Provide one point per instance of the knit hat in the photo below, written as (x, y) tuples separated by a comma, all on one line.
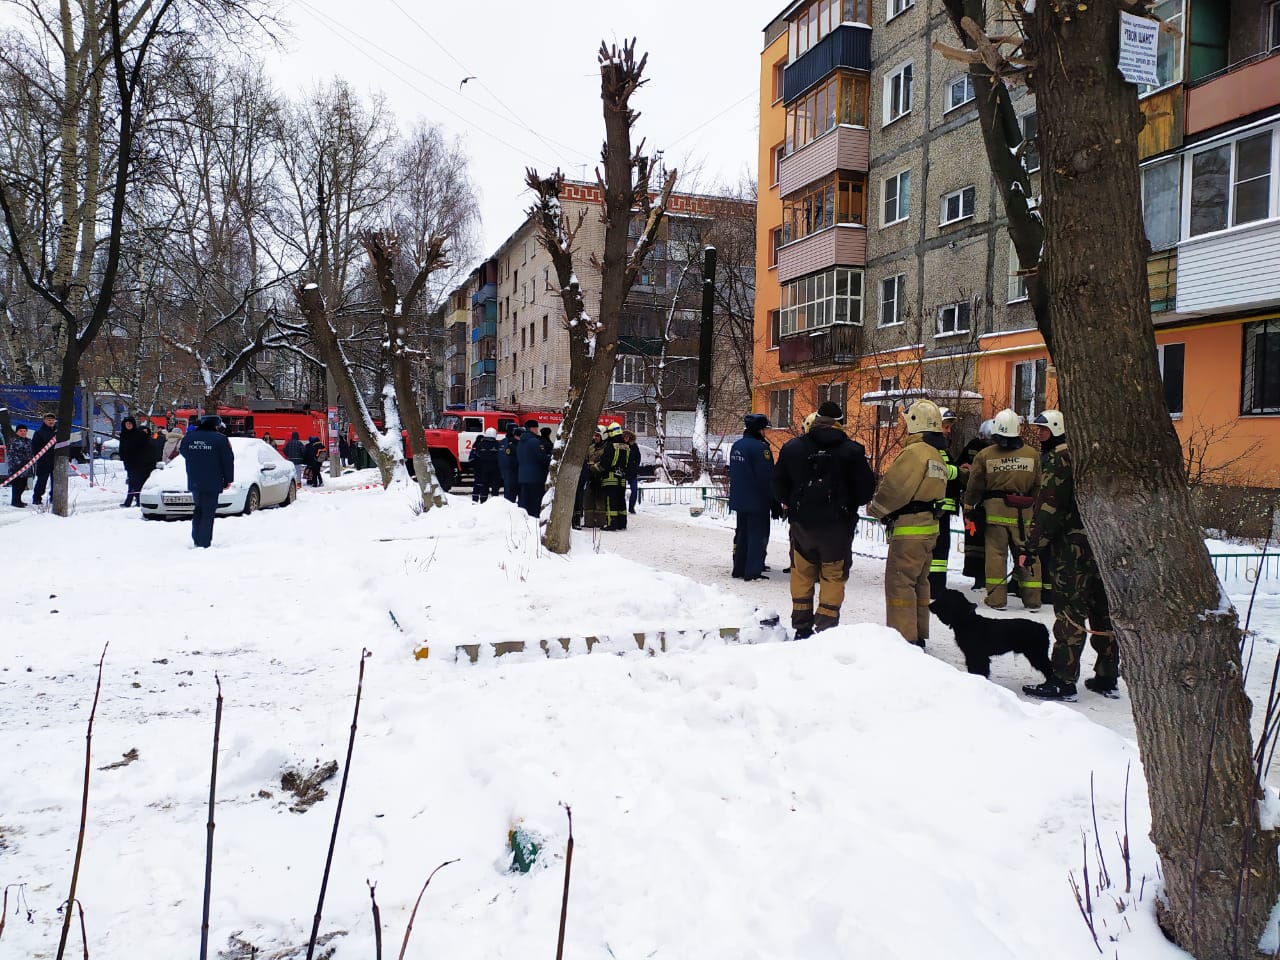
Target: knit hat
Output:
[(831, 411), (531, 424)]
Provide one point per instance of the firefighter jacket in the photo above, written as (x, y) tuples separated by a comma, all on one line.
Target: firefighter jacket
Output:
[(1003, 481), (950, 502), (614, 455), (908, 490)]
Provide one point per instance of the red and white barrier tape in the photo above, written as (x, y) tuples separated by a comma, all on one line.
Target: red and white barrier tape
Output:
[(30, 464)]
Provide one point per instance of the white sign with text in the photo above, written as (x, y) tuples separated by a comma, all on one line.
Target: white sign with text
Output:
[(1138, 49)]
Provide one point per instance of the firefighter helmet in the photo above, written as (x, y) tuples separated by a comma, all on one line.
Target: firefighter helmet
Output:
[(613, 430), (985, 428), (1006, 424), (923, 416), (807, 422), (946, 414), (1052, 421)]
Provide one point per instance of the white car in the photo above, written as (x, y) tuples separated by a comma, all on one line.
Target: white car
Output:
[(263, 478)]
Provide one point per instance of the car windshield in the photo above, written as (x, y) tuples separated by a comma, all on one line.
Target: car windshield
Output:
[(451, 421)]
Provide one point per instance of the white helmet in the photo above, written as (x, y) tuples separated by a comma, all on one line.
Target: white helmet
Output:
[(1006, 424), (985, 429), (946, 414), (923, 416), (491, 432), (1052, 421), (807, 422)]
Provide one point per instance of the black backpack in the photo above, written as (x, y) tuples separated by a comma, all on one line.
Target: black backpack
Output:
[(824, 495)]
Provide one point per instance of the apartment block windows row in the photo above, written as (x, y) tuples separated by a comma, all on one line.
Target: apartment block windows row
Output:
[(814, 302), (838, 199), (820, 17), (841, 98), (1233, 183), (897, 93)]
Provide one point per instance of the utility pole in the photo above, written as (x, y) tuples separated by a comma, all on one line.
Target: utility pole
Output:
[(702, 416), (330, 385)]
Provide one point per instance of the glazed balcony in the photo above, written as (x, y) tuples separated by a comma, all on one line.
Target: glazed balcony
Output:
[(848, 45)]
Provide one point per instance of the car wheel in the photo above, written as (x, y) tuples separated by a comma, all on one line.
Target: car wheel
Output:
[(446, 473), (152, 516), (252, 501), (291, 496)]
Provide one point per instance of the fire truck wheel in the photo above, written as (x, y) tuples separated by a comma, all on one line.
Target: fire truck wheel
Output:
[(445, 472)]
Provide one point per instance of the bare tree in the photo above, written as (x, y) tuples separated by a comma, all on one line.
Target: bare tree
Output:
[(1179, 636), (593, 340)]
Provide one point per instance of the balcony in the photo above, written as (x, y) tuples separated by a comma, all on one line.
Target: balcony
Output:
[(488, 292), (1234, 268), (489, 328), (843, 245), (1162, 279), (844, 148), (848, 45), (484, 388), (482, 367), (829, 346), (1236, 92)]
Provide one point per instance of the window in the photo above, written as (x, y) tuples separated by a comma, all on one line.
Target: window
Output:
[(1031, 141), (897, 93), (637, 421), (1017, 279), (1168, 44), (820, 300), (1028, 387), (1273, 34), (1161, 199), (776, 240), (819, 18), (841, 98), (629, 369), (887, 410), (957, 205), (959, 92), (837, 393), (953, 318), (777, 154), (780, 408), (546, 326), (897, 198), (1261, 380), (1172, 357), (895, 7), (892, 299), (544, 374), (523, 345), (1232, 184), (838, 199), (779, 74), (775, 328)]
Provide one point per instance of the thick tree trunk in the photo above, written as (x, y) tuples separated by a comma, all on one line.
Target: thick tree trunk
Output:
[(1178, 633)]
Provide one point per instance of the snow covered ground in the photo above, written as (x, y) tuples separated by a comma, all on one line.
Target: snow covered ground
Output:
[(843, 796)]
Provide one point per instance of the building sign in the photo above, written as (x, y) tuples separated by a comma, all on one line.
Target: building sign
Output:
[(1138, 49)]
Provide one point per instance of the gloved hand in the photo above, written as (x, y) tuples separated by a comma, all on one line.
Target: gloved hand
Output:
[(777, 510), (970, 525), (1023, 557)]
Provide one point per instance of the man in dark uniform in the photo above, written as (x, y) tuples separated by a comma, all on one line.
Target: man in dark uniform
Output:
[(820, 480), (750, 492), (210, 470), (47, 430)]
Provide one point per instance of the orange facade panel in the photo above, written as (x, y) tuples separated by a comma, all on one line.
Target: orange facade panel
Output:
[(843, 245), (844, 148), (1235, 94)]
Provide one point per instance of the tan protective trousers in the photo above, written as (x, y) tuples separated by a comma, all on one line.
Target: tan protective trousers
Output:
[(906, 587), (1003, 536)]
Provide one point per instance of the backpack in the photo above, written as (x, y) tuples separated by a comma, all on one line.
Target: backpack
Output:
[(824, 495)]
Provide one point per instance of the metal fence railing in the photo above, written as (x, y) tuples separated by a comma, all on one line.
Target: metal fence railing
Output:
[(1246, 566)]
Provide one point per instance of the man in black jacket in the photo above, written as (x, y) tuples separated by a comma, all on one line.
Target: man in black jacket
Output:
[(47, 430), (821, 479), (210, 470)]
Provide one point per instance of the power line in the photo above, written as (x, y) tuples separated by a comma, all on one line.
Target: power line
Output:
[(714, 117)]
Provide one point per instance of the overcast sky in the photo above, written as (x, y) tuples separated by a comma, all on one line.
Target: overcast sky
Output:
[(535, 99)]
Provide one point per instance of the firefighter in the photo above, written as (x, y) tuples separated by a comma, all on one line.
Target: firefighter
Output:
[(1003, 480), (904, 502), (948, 507), (1077, 586), (975, 524), (613, 477)]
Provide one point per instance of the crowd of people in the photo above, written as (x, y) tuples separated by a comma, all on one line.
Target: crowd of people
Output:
[(1017, 503)]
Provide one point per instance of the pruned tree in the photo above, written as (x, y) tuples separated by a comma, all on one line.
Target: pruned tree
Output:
[(626, 186), (1179, 635), (384, 252)]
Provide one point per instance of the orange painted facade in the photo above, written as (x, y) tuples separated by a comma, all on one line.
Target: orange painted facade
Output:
[(773, 131)]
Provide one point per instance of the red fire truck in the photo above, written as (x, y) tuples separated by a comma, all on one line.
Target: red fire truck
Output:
[(279, 422), (450, 442)]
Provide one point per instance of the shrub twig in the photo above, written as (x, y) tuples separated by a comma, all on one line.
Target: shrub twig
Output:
[(208, 845), (1104, 877), (414, 912), (337, 814), (377, 921), (84, 810), (564, 903)]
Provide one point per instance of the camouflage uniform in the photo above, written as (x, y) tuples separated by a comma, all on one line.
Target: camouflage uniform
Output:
[(997, 474), (904, 499), (1078, 593)]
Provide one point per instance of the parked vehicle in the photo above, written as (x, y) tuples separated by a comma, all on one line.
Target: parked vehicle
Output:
[(263, 478)]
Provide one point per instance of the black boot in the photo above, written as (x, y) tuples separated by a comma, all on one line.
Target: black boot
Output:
[(1105, 686), (1054, 689)]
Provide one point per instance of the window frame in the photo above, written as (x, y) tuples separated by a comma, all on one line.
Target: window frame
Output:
[(813, 302), (967, 80), (1232, 144), (904, 75), (899, 281), (1181, 352), (777, 153), (1033, 114), (902, 6), (1273, 27), (884, 185), (823, 199), (781, 408), (1039, 371), (959, 195), (1175, 163), (846, 98), (1016, 279), (775, 328), (1248, 363), (957, 308)]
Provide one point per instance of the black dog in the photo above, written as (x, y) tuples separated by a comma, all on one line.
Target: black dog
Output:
[(981, 638)]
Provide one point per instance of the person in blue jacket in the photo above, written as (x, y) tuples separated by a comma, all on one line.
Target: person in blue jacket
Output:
[(484, 466), (211, 467), (532, 462), (507, 462), (750, 499)]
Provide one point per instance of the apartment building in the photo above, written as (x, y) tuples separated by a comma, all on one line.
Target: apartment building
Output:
[(883, 256), (520, 347)]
